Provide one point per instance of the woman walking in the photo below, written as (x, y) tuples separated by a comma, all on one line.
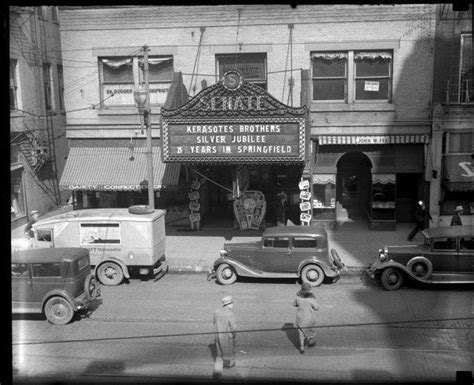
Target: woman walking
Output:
[(306, 306)]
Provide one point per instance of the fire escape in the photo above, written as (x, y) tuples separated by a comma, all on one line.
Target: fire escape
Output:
[(35, 142)]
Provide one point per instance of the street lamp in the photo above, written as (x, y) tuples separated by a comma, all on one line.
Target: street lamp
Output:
[(142, 99)]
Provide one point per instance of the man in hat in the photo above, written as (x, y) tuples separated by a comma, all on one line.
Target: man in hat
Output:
[(456, 218), (421, 215), (306, 306), (28, 228), (226, 330)]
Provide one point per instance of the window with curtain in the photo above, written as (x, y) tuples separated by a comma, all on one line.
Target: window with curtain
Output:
[(13, 84), (329, 76), (252, 65), (160, 76), (352, 76), (118, 82)]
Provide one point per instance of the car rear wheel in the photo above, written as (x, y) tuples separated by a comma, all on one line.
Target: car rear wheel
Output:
[(58, 311), (225, 274), (110, 274), (313, 275), (336, 259), (90, 287), (392, 279)]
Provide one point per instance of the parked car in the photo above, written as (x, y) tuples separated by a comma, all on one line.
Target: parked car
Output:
[(120, 241), (56, 282), (446, 256), (282, 252)]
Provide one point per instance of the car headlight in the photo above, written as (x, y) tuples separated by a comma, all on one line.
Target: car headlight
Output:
[(223, 253), (383, 254)]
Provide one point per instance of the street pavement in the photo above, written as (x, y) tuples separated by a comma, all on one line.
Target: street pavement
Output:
[(195, 250)]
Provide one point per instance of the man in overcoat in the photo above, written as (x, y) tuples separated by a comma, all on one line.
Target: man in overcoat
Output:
[(226, 330), (306, 306), (421, 217)]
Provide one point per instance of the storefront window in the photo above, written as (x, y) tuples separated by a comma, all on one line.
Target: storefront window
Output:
[(452, 199), (370, 78), (383, 196), (118, 83), (48, 86), (324, 196), (252, 65)]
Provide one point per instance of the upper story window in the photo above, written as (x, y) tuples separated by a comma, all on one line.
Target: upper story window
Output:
[(352, 76), (40, 11), (48, 86), (466, 86), (252, 65), (54, 13), (13, 84), (460, 142), (117, 79), (61, 86)]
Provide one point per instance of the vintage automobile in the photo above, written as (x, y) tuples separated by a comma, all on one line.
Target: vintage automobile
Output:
[(55, 281), (446, 256), (283, 252)]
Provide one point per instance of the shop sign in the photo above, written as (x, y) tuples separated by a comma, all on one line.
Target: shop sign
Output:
[(195, 217), (372, 140), (251, 140), (305, 206), (193, 196), (371, 86), (101, 187), (194, 206), (123, 93), (305, 218)]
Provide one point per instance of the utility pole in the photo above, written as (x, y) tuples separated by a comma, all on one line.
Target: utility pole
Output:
[(147, 119)]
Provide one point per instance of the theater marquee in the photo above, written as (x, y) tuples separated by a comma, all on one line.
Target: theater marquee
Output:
[(233, 121)]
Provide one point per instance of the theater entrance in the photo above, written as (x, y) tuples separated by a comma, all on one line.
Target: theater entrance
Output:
[(220, 186)]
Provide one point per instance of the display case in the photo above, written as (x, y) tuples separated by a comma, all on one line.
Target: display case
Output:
[(324, 197), (382, 210)]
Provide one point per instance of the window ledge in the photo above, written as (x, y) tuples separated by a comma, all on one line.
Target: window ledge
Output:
[(329, 107), (125, 110)]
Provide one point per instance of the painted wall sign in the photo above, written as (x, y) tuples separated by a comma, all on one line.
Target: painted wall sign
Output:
[(102, 187), (123, 93)]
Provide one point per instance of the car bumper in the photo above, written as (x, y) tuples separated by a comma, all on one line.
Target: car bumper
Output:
[(82, 302)]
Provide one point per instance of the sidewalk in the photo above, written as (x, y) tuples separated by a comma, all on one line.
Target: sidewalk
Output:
[(196, 250)]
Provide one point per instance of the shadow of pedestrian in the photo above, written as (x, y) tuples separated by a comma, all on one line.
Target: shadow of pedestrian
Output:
[(218, 363), (213, 349), (292, 334)]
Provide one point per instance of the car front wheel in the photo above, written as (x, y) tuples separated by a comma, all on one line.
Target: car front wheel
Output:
[(110, 274), (313, 275), (58, 311), (225, 274), (392, 279)]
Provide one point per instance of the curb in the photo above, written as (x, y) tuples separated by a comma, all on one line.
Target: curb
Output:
[(347, 271)]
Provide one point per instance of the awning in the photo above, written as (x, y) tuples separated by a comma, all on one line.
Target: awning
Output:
[(111, 169), (458, 172), (371, 139)]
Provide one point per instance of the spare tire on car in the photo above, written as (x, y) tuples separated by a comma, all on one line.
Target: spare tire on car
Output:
[(141, 209)]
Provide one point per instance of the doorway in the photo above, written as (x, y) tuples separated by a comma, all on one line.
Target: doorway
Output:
[(353, 184)]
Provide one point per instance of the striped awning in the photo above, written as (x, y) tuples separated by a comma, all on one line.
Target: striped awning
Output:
[(371, 139), (112, 169)]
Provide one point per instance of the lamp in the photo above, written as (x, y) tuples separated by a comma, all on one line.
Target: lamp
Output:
[(141, 97)]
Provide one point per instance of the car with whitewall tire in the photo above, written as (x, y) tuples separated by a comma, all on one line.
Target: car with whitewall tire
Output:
[(282, 252), (445, 257)]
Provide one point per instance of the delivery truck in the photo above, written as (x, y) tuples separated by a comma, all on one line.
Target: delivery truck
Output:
[(121, 242)]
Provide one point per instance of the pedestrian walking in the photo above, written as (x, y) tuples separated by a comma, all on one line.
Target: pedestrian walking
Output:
[(421, 216), (456, 218), (226, 331), (280, 208), (306, 307), (28, 228)]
